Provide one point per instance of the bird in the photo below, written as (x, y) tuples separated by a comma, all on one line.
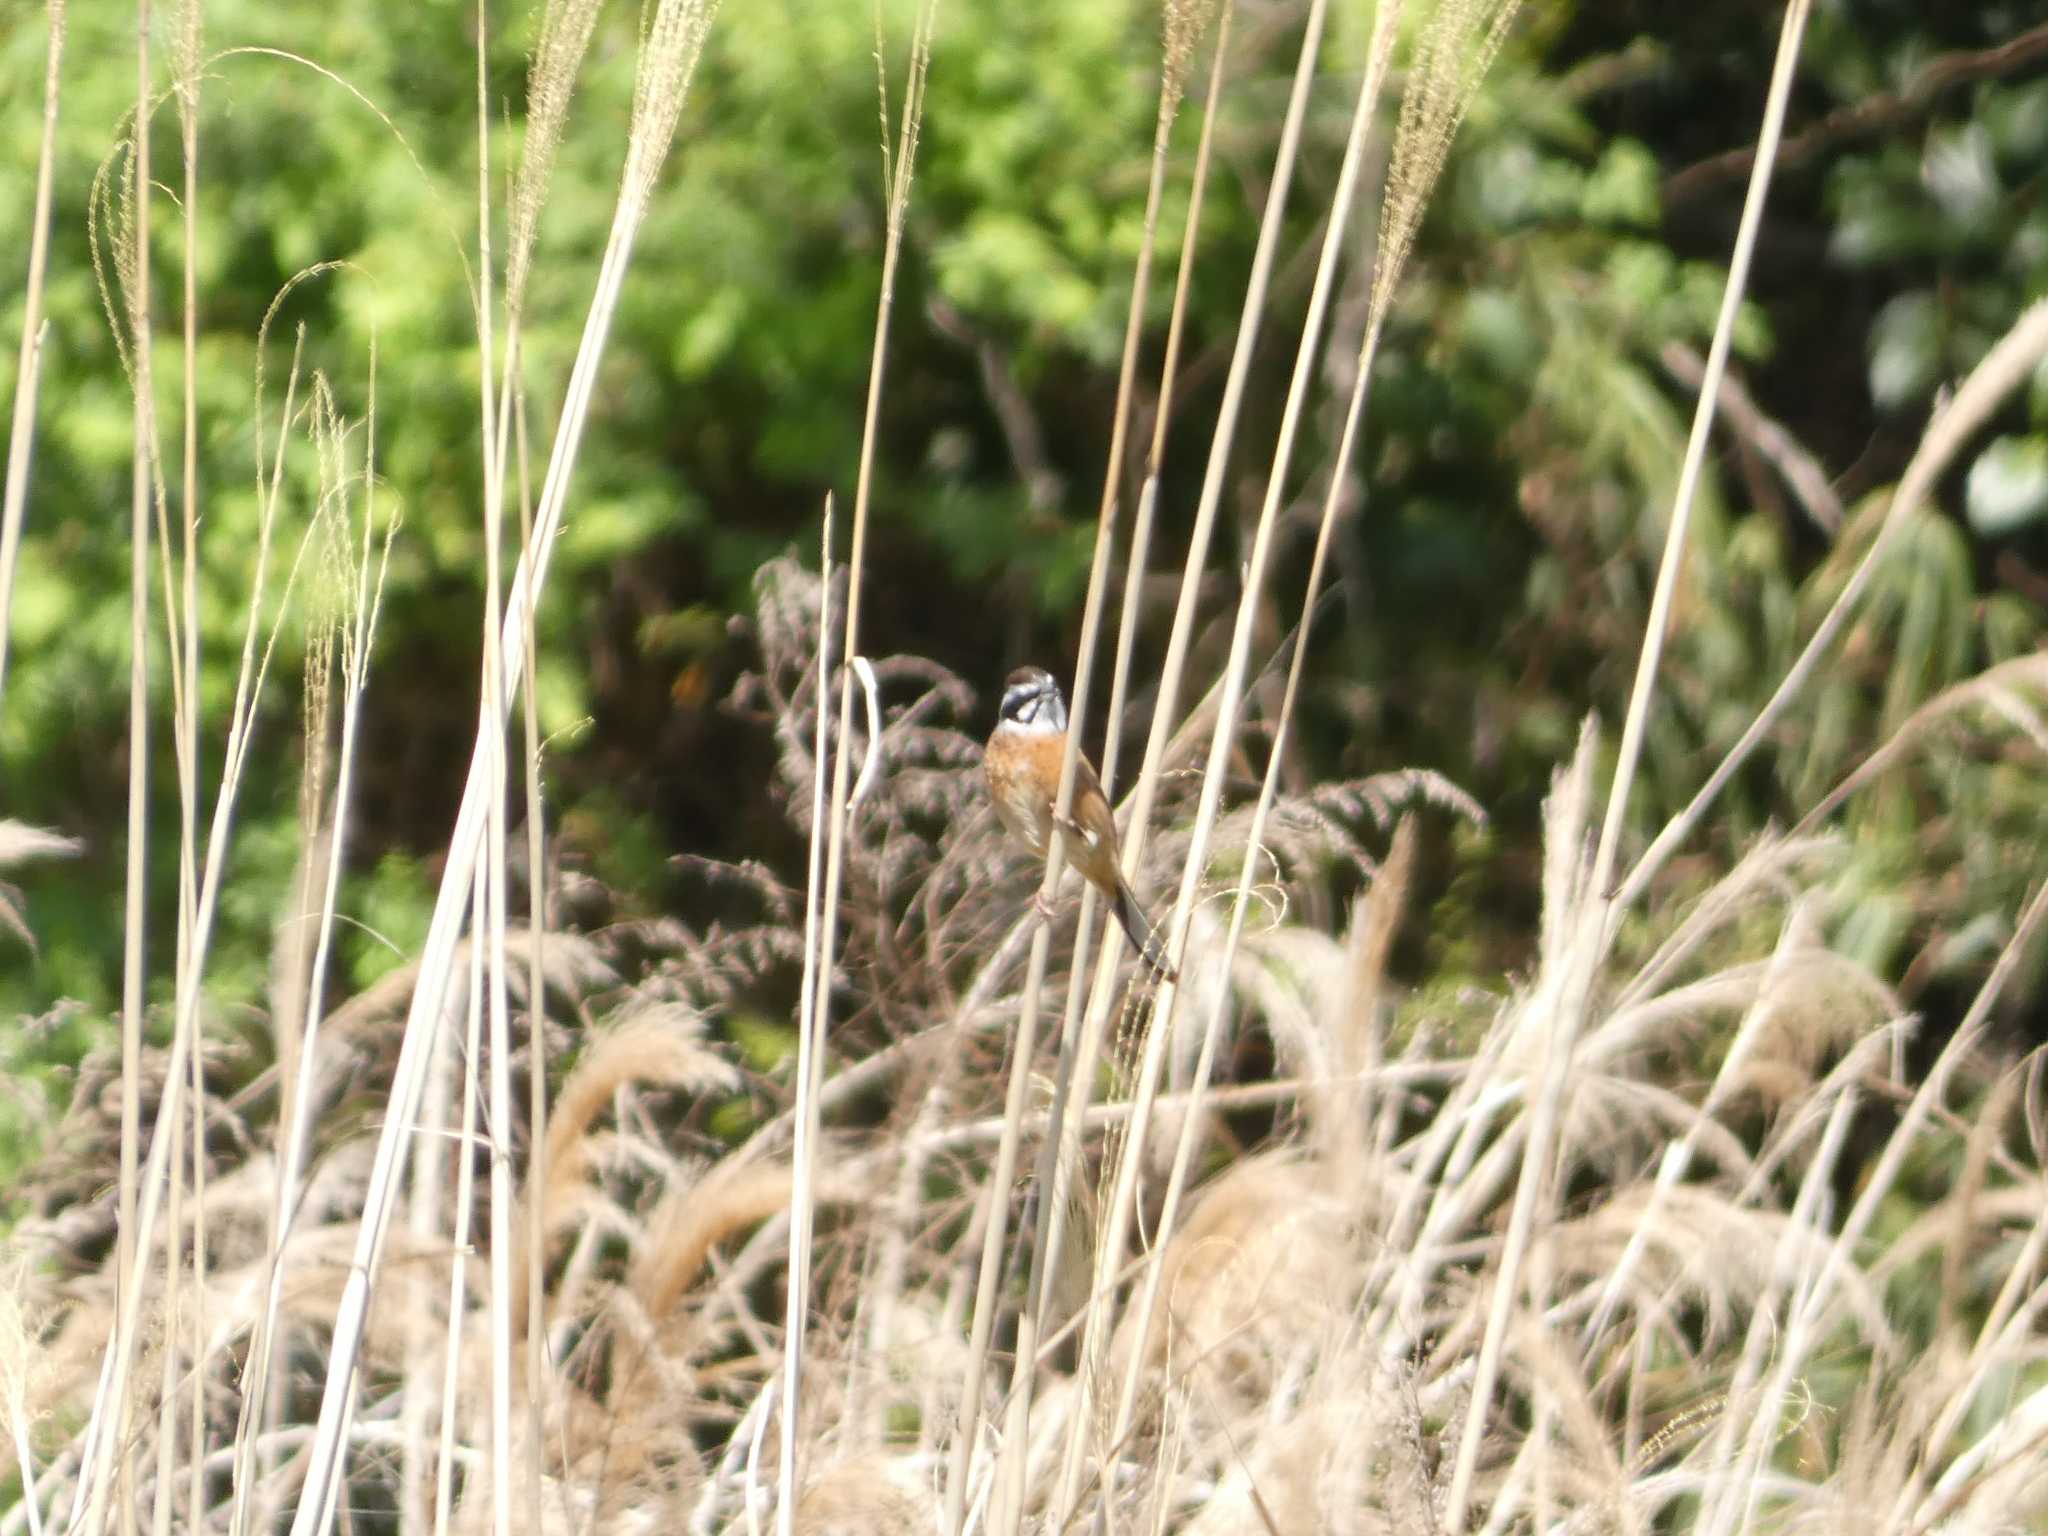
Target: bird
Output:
[(1022, 763)]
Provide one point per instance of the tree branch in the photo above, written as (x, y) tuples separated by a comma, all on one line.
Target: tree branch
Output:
[(1929, 83), (1799, 469)]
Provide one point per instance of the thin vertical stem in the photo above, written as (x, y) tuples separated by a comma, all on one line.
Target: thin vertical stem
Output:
[(1659, 623), (536, 989), (817, 1014), (465, 1199), (191, 698), (1596, 908), (1250, 321), (28, 365), (491, 732), (802, 1155), (131, 1254)]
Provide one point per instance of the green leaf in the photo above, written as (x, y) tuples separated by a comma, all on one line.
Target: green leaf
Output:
[(708, 335), (765, 1043), (1623, 188), (1496, 331), (1957, 170), (2008, 485), (1905, 353)]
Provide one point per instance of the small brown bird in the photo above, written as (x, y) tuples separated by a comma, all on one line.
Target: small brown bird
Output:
[(1022, 762)]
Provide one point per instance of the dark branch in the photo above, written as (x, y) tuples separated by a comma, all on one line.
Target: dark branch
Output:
[(1865, 119)]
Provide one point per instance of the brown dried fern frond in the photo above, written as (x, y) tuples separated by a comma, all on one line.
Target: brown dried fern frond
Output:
[(653, 1043)]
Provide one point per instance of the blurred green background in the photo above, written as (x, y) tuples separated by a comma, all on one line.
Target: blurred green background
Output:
[(1524, 437)]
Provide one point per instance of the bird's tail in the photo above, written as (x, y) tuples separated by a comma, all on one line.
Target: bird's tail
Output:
[(1143, 936)]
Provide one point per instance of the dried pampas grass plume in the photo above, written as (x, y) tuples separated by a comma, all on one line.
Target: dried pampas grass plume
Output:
[(862, 1498), (1185, 23), (1452, 54), (565, 29), (660, 1046)]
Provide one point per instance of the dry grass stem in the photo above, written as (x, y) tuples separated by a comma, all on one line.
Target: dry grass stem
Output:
[(29, 360), (1659, 1227), (812, 1024)]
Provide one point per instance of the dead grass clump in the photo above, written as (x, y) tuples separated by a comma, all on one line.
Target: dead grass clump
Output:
[(863, 1498), (1258, 1268), (1344, 1450), (1322, 1300)]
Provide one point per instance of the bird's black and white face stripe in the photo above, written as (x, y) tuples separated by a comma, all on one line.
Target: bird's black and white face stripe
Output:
[(1032, 703)]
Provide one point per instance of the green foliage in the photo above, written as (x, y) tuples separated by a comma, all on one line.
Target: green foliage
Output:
[(766, 1045), (1521, 450), (731, 397), (393, 906)]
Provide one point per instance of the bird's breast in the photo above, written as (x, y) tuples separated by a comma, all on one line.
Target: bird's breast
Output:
[(1023, 776)]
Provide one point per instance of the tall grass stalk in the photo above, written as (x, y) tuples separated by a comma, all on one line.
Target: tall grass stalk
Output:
[(1181, 35), (491, 731), (185, 58), (814, 1022), (1088, 1004), (132, 1250), (182, 617), (535, 1236), (669, 52), (1657, 627), (1251, 316), (465, 1206), (1596, 909), (816, 977), (163, 1480), (28, 369), (1236, 669), (565, 33)]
